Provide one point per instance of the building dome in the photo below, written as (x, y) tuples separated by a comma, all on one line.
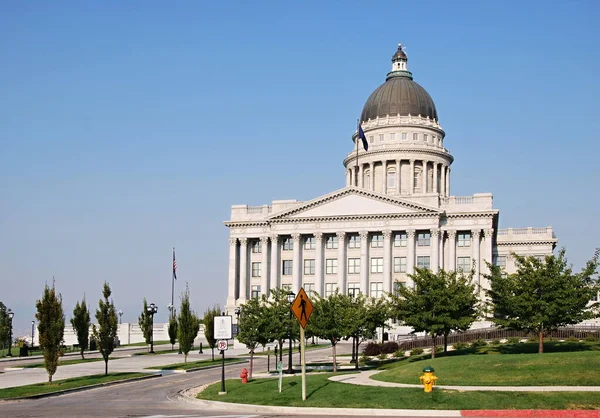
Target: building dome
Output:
[(399, 94)]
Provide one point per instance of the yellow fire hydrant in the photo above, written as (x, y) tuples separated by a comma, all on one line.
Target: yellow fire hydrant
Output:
[(428, 379)]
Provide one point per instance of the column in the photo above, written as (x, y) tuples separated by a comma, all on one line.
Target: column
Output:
[(424, 177), (384, 177), (448, 182), (319, 276), (443, 185), (372, 165), (387, 261), (243, 270), (364, 262), (232, 275), (275, 279), (435, 177), (296, 264), (435, 250), (451, 249), (341, 280), (475, 233), (361, 176), (398, 184), (410, 258), (411, 177), (441, 253), (264, 266), (487, 256)]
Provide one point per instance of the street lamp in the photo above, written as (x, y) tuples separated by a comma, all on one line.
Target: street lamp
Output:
[(11, 315), (120, 316), (32, 325), (152, 309), (290, 298), (237, 311)]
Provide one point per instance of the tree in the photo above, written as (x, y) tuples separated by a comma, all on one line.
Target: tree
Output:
[(543, 294), (172, 330), (188, 326), (209, 324), (81, 325), (4, 325), (51, 326), (438, 304), (280, 325), (252, 327), (145, 323), (106, 333)]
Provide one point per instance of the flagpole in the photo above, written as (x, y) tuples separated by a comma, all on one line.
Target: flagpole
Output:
[(173, 286), (356, 168)]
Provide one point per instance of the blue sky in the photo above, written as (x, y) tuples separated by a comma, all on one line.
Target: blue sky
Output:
[(127, 128)]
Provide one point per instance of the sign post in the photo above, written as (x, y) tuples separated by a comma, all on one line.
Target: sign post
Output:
[(222, 332), (302, 309), (280, 370)]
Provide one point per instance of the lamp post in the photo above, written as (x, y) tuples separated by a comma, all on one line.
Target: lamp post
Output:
[(290, 298), (120, 316), (32, 325), (152, 309), (11, 315), (237, 311)]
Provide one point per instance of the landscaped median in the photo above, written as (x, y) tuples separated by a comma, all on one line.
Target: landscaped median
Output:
[(69, 384), (65, 362), (194, 365)]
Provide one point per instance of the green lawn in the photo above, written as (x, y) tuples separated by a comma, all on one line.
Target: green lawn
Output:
[(143, 344), (66, 362), (324, 393), (145, 353), (294, 350), (488, 367), (192, 364), (58, 385)]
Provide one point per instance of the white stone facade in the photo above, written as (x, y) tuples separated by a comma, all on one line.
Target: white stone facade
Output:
[(395, 213)]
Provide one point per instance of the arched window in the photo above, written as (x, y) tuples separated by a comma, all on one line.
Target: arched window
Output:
[(391, 179)]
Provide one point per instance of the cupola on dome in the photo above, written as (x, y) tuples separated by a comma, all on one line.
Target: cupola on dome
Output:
[(399, 94)]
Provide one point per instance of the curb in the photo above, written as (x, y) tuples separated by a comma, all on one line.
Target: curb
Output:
[(81, 388), (195, 369)]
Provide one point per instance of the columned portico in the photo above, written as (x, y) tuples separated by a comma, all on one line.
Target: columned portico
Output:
[(264, 271), (475, 237), (275, 278), (341, 262), (435, 249), (451, 249), (319, 277), (387, 261), (232, 270), (410, 259), (364, 262), (243, 270), (296, 264)]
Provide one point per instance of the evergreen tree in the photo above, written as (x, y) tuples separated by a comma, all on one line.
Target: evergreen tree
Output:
[(4, 334), (209, 324), (106, 333), (188, 326), (145, 323), (543, 294), (81, 325), (172, 330), (51, 326)]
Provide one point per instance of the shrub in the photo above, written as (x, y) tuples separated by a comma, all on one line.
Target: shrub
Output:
[(416, 351), (372, 349), (382, 356), (548, 338), (591, 338), (573, 339), (514, 340), (399, 354), (496, 342), (480, 342), (532, 339), (439, 348), (364, 359), (460, 345), (389, 347), (93, 345)]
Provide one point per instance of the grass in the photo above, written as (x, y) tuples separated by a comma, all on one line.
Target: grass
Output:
[(75, 382), (324, 393), (145, 353), (294, 350), (498, 366), (191, 364), (66, 362), (143, 343)]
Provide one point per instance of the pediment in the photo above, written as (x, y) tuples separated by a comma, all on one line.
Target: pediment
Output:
[(354, 202)]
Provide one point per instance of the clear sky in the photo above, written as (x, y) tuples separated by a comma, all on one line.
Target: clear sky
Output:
[(127, 128)]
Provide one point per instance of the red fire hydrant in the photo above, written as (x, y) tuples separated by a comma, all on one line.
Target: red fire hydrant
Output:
[(244, 375)]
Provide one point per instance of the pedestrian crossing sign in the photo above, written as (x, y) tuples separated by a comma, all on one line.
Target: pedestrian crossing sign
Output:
[(302, 307)]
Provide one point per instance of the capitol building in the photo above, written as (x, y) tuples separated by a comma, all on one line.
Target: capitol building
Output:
[(395, 213)]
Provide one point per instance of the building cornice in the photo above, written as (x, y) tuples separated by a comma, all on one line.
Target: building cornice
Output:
[(362, 155)]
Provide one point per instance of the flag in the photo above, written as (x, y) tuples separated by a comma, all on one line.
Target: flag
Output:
[(174, 266), (361, 135)]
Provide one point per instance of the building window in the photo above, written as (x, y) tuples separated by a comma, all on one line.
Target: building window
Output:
[(380, 137), (255, 291), (399, 264), (392, 136), (423, 261), (416, 177), (332, 242), (415, 136), (500, 260), (425, 138), (286, 287), (288, 244), (464, 239), (331, 266), (309, 287), (371, 139), (376, 290), (404, 136), (330, 289), (287, 267), (353, 289), (391, 179), (400, 239), (309, 267), (309, 243), (463, 263), (255, 269), (354, 241), (423, 239), (398, 285), (256, 247), (377, 265), (377, 241), (353, 265)]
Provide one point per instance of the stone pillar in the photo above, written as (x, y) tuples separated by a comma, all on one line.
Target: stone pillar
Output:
[(441, 253), (384, 177), (475, 235), (372, 185), (424, 176), (435, 177), (297, 264), (451, 250), (232, 275), (319, 274), (443, 185), (398, 184), (364, 262), (361, 176), (411, 177), (410, 258), (341, 276), (487, 256), (275, 279), (243, 270), (387, 261), (448, 182), (264, 266), (435, 249)]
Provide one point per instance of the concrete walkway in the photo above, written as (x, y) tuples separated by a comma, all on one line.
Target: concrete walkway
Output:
[(364, 379)]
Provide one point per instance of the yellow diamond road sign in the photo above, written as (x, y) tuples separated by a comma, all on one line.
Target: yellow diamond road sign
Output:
[(302, 307)]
